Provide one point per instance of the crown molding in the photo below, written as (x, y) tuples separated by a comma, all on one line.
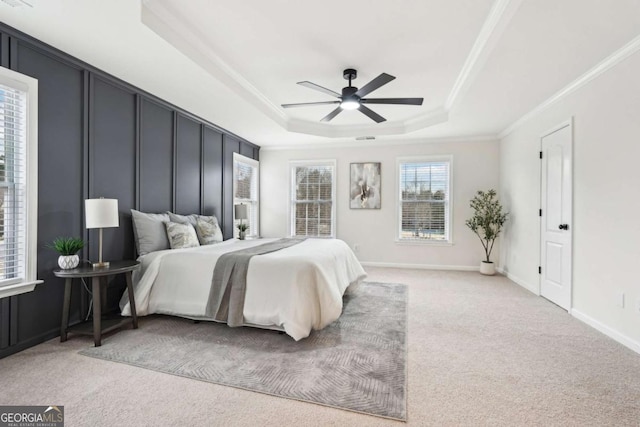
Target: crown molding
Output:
[(499, 17), (608, 63), (382, 143), (430, 118), (169, 24)]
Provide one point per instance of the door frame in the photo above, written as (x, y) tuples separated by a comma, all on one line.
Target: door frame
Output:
[(566, 123)]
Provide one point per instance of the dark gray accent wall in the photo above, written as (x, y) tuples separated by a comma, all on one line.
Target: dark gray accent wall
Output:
[(231, 145), (212, 173), (61, 127), (102, 137), (156, 166), (112, 162), (188, 167)]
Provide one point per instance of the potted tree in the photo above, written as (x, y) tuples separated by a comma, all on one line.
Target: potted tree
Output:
[(242, 229), (68, 247), (487, 222)]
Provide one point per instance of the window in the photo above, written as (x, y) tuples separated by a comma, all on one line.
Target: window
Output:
[(18, 183), (246, 176), (313, 198), (424, 202)]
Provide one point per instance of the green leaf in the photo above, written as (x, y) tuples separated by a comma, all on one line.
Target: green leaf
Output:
[(67, 245)]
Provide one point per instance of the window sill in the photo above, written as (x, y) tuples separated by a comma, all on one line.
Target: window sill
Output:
[(416, 242), (18, 288)]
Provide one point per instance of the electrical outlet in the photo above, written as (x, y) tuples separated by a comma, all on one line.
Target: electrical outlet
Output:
[(619, 298)]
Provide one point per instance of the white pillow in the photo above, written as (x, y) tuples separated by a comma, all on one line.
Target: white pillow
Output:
[(181, 235), (149, 231)]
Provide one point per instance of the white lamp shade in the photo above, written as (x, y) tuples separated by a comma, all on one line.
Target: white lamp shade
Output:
[(101, 213), (241, 212)]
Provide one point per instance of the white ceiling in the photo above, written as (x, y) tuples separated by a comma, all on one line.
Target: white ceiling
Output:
[(479, 64)]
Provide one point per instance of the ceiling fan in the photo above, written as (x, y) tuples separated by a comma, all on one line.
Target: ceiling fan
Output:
[(352, 98)]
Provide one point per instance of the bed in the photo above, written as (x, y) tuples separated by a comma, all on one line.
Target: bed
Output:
[(297, 289)]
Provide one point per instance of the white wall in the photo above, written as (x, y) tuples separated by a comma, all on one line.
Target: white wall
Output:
[(606, 218), (475, 167)]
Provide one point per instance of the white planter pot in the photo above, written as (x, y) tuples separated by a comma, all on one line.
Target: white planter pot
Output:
[(487, 268), (241, 234), (67, 262)]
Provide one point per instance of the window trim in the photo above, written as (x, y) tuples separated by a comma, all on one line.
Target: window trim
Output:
[(320, 162), (426, 159), (30, 86), (256, 164)]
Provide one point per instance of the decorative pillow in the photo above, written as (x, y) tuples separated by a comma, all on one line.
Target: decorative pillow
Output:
[(181, 235), (193, 220), (208, 231), (149, 232)]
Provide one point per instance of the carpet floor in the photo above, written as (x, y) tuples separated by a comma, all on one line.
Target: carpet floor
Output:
[(357, 363), (481, 351)]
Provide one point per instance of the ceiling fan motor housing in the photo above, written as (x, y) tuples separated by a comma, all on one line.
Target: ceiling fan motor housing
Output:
[(349, 92)]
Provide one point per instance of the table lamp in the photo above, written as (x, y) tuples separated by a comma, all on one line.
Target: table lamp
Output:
[(101, 213), (241, 212)]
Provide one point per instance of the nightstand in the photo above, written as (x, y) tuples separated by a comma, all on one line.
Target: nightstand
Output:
[(98, 283)]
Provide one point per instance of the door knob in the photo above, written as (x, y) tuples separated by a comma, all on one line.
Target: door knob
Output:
[(563, 226)]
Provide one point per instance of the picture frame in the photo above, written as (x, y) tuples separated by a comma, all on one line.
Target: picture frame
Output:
[(365, 185)]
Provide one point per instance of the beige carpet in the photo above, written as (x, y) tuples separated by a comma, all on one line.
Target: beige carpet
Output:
[(482, 351)]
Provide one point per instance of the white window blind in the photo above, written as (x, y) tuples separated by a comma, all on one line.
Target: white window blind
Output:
[(13, 214), (313, 199), (424, 200), (246, 175)]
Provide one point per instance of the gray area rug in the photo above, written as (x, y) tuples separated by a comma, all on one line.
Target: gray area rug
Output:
[(358, 363)]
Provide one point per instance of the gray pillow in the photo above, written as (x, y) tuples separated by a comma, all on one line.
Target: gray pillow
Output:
[(181, 235), (208, 230), (183, 219), (149, 231)]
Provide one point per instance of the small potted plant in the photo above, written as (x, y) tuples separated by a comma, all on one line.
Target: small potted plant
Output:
[(68, 248), (242, 229), (487, 222)]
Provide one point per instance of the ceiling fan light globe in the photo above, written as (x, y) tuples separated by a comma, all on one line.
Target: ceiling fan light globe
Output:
[(349, 104)]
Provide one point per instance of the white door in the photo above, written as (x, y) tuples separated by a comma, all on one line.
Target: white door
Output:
[(555, 221)]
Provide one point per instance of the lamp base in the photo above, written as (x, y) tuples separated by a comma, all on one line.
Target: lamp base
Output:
[(100, 264)]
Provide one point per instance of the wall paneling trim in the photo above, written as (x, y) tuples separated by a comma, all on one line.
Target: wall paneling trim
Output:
[(102, 137)]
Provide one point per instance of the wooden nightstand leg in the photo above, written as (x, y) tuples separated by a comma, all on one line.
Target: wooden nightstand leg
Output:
[(65, 310), (104, 285), (132, 301), (97, 310)]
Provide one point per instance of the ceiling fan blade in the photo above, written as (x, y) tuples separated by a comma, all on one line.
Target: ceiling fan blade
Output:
[(331, 115), (319, 88), (401, 101), (371, 114), (374, 84), (306, 104)]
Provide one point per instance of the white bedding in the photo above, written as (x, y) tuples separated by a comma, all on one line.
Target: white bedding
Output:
[(296, 289)]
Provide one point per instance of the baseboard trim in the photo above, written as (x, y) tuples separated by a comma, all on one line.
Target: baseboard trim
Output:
[(611, 333), (31, 342), (420, 266), (518, 281)]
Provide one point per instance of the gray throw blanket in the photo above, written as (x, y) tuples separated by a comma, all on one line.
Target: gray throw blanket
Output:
[(226, 298)]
